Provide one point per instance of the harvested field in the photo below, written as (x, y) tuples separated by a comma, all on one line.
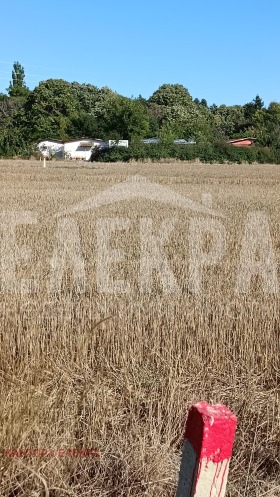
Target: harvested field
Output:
[(87, 367)]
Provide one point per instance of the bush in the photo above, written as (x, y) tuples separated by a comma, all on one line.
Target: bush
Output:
[(208, 153)]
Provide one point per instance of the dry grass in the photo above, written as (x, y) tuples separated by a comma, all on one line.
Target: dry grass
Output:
[(123, 385)]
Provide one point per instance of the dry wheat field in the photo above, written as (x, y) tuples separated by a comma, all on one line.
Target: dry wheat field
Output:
[(115, 371)]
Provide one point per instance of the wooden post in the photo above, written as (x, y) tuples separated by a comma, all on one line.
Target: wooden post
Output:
[(207, 450)]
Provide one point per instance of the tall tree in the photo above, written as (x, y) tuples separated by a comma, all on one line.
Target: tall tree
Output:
[(49, 108), (258, 103), (267, 125), (123, 118), (177, 114), (251, 108), (170, 95), (17, 87), (228, 121), (203, 102)]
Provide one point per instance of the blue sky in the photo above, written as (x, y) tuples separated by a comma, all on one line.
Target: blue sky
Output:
[(224, 51)]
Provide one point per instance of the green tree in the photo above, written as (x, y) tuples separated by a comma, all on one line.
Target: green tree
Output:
[(87, 96), (170, 95), (17, 87), (84, 125), (168, 132), (203, 102), (123, 118), (12, 139), (267, 125), (178, 115), (228, 121), (251, 108), (49, 108), (258, 103)]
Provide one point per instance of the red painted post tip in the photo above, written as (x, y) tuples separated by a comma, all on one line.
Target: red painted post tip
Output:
[(209, 437), (211, 430)]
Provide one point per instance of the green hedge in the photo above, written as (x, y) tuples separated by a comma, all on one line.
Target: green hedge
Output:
[(217, 152)]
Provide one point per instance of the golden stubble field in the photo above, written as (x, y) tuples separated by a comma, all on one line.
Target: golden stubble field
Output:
[(116, 372)]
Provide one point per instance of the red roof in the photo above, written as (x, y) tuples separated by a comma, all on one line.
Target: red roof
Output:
[(241, 139)]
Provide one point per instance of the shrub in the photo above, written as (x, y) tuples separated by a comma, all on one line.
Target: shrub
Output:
[(208, 153)]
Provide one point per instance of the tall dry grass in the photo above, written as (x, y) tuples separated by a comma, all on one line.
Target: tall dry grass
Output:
[(117, 373)]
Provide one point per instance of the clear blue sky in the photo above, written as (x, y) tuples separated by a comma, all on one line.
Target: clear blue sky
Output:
[(226, 51)]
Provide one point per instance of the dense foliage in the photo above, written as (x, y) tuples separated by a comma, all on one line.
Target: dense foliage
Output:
[(205, 152), (61, 110)]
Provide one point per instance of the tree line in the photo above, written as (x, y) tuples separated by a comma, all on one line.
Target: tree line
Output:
[(61, 110)]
